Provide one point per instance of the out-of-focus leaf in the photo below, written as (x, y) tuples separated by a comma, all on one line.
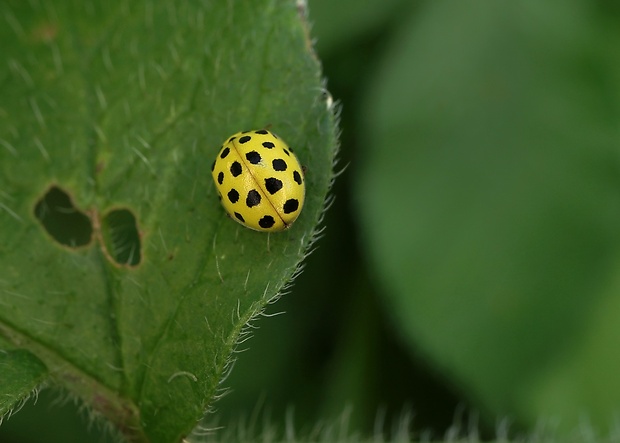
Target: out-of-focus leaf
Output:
[(339, 23), (489, 196)]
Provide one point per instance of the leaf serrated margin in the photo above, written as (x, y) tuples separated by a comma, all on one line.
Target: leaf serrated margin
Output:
[(245, 331), (21, 402)]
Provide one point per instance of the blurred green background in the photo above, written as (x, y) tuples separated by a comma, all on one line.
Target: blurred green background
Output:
[(470, 264)]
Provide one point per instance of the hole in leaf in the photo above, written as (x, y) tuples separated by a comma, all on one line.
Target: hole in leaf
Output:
[(121, 237), (62, 220)]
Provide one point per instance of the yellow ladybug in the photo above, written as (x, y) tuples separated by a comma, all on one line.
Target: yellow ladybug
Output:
[(259, 180)]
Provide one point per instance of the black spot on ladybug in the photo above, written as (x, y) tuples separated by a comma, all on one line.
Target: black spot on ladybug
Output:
[(268, 145), (286, 152), (233, 196), (253, 198), (297, 177), (225, 152), (245, 139), (219, 196), (266, 222), (253, 157), (239, 217), (291, 205), (213, 166), (235, 169), (231, 139), (262, 132), (279, 164), (273, 185), (220, 178)]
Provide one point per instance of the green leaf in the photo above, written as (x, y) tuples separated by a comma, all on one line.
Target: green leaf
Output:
[(21, 373), (119, 268), (489, 201)]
